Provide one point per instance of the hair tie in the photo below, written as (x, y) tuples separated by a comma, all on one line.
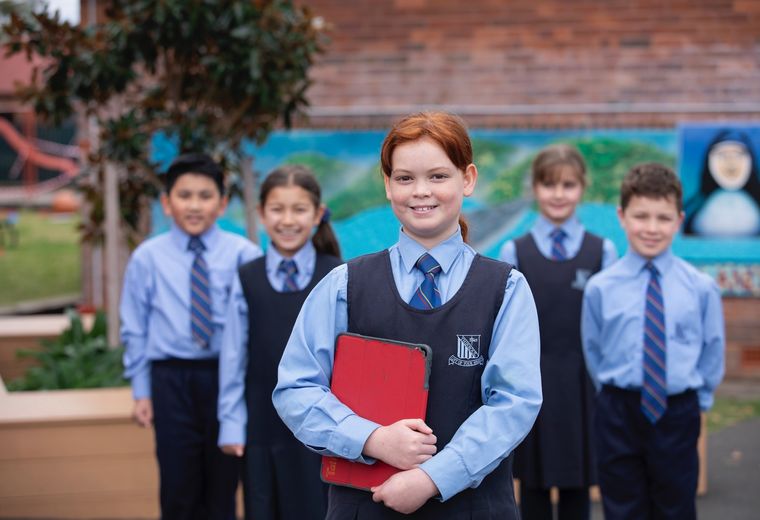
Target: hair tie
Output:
[(325, 216)]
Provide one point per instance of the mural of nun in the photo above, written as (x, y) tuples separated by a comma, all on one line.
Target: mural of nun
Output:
[(728, 201)]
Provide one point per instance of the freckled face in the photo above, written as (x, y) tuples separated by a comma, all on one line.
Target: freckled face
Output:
[(426, 190)]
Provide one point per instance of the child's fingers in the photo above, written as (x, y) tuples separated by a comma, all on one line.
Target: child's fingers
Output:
[(377, 494), (429, 439), (428, 449), (417, 425)]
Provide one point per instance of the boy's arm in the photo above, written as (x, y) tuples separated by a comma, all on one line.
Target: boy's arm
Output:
[(591, 332), (711, 363), (511, 394), (134, 309), (233, 363), (302, 396)]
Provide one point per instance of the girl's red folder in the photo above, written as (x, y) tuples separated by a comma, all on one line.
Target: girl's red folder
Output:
[(383, 381)]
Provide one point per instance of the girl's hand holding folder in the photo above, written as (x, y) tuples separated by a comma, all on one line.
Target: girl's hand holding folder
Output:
[(404, 444), (405, 492)]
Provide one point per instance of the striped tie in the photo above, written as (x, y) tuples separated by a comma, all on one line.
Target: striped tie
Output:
[(427, 295), (558, 248), (200, 296), (654, 397), (290, 270)]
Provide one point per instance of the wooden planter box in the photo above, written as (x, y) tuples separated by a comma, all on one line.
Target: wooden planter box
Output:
[(75, 454)]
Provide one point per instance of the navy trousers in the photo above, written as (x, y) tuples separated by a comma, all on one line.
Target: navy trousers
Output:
[(198, 481), (647, 471)]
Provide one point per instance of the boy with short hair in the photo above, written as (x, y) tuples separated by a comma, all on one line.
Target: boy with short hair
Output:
[(653, 339), (172, 309)]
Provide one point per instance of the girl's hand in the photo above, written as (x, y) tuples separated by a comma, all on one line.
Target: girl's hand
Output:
[(143, 412), (236, 450), (404, 444), (405, 492)]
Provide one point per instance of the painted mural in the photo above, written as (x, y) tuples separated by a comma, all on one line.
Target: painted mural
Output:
[(347, 165)]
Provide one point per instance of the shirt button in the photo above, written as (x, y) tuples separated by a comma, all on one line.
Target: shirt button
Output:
[(345, 451)]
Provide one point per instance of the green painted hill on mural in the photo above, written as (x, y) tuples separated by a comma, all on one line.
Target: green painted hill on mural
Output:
[(607, 161), (330, 172), (366, 191)]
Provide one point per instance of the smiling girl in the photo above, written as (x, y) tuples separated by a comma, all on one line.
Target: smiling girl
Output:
[(430, 287), (557, 256), (265, 302)]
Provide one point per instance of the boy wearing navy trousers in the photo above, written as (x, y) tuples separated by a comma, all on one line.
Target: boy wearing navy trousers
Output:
[(653, 339), (173, 306)]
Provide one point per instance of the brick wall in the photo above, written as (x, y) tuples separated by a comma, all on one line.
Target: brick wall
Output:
[(544, 63)]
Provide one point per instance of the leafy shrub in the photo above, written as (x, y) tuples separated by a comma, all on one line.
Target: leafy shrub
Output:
[(76, 359)]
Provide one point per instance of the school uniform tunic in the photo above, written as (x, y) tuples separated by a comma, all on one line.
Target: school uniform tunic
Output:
[(276, 464), (491, 405), (559, 449), (180, 376)]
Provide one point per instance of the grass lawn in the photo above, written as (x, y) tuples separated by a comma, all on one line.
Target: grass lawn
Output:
[(727, 411), (46, 261)]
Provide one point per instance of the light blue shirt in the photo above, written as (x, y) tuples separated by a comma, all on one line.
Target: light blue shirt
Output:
[(233, 358), (510, 385), (612, 326), (155, 301), (541, 233)]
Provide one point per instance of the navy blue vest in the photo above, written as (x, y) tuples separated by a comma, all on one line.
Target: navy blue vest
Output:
[(459, 333), (271, 316), (558, 450)]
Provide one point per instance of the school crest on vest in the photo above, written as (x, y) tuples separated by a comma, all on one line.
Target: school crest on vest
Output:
[(581, 278), (468, 351)]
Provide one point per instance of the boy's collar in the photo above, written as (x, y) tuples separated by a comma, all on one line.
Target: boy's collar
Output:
[(662, 262), (445, 252), (182, 239)]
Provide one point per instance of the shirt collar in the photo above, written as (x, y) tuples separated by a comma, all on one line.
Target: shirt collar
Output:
[(544, 227), (635, 262), (445, 253), (304, 258), (182, 239)]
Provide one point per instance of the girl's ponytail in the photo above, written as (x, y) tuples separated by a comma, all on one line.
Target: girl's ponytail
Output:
[(324, 239), (464, 227)]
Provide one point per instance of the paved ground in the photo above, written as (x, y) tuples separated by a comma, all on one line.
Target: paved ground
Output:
[(733, 461)]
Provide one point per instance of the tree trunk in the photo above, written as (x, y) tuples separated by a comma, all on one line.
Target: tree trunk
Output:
[(113, 241), (249, 197)]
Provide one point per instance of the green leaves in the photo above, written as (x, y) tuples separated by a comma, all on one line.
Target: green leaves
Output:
[(210, 72), (76, 359)]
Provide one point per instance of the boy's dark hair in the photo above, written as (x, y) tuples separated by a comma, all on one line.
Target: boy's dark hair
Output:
[(653, 181), (324, 239), (198, 163)]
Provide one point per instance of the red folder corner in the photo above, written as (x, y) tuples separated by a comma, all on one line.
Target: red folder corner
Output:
[(383, 381)]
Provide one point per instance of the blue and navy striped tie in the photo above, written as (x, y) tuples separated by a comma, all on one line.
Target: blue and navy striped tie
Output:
[(290, 270), (558, 247), (427, 295), (200, 296), (654, 396)]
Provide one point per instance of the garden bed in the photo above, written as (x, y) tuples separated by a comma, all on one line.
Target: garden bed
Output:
[(75, 454)]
